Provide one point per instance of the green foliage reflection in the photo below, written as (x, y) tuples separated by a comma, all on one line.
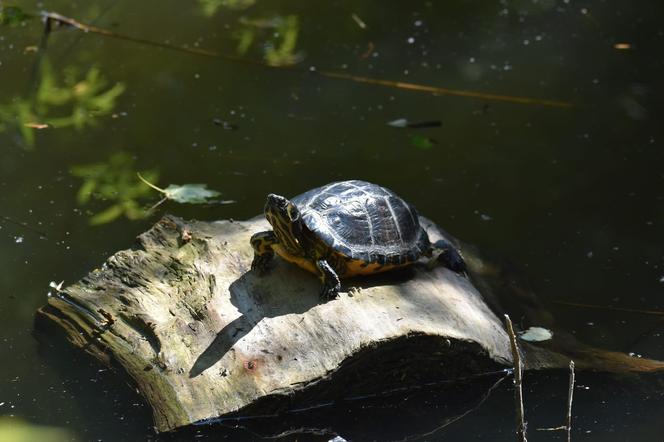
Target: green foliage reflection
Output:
[(16, 430), (13, 16), (210, 7), (114, 181), (73, 101), (280, 33)]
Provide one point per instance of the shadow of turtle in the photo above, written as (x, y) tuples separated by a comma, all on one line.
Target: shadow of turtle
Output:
[(284, 289)]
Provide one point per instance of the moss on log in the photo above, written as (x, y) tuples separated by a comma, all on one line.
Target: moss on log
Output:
[(203, 336)]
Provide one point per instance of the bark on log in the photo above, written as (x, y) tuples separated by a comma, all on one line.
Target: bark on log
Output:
[(203, 336)]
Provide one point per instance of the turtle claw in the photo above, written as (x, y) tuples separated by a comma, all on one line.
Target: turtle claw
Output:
[(330, 291), (330, 280)]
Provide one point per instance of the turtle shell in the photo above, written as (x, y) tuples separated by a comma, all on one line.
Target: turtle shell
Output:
[(364, 221)]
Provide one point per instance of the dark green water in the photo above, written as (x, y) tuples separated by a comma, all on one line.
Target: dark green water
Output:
[(572, 197)]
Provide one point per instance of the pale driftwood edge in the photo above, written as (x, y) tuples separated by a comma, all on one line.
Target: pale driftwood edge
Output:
[(202, 336)]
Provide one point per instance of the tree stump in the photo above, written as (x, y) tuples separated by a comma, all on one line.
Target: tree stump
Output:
[(203, 336)]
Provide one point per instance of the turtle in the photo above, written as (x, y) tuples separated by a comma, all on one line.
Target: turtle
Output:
[(344, 229)]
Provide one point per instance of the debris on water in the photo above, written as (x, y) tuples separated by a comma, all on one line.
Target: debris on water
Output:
[(661, 279), (37, 125), (483, 216), (18, 239), (224, 124), (401, 123), (589, 254), (358, 21), (536, 334), (337, 439)]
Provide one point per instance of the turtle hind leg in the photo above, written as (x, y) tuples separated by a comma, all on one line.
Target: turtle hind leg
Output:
[(449, 256), (262, 243), (330, 280)]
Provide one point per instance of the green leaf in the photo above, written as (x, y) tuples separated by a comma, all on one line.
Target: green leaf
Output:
[(108, 215), (190, 193)]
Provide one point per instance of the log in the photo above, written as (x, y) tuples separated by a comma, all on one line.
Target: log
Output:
[(202, 336)]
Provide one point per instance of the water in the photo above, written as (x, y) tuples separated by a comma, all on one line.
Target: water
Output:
[(569, 196)]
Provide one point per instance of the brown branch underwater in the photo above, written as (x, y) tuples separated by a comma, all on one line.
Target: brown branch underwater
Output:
[(54, 17)]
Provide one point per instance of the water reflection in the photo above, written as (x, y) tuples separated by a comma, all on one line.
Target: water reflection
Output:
[(114, 180), (277, 36), (68, 100), (211, 7)]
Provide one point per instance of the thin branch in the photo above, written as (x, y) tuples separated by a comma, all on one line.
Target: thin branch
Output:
[(568, 418), (570, 397), (159, 189), (67, 21), (25, 225), (449, 422), (518, 389)]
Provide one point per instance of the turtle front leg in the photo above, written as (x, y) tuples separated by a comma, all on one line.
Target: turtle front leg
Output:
[(330, 280), (446, 254), (262, 243)]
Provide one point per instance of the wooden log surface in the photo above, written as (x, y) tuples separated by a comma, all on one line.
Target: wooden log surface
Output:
[(203, 336)]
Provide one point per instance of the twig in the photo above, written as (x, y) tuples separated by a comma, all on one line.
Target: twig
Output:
[(568, 418), (449, 422), (25, 225), (67, 21), (570, 396), (518, 390)]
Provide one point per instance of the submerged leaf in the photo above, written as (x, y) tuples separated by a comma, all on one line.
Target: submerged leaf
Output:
[(190, 193), (13, 16), (422, 142)]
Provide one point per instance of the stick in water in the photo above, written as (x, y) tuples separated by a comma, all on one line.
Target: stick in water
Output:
[(518, 391), (570, 395)]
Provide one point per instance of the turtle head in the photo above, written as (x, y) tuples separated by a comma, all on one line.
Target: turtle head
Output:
[(286, 220)]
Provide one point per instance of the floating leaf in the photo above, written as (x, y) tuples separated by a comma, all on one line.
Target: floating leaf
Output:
[(190, 193), (186, 193), (536, 334)]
